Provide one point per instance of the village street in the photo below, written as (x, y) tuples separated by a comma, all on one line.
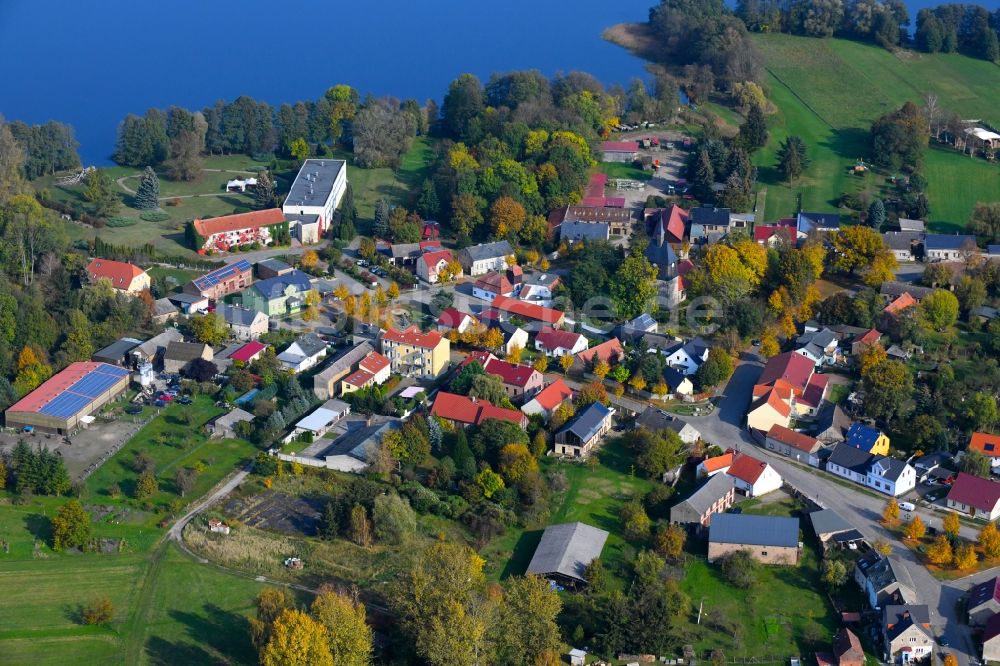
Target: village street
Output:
[(863, 510)]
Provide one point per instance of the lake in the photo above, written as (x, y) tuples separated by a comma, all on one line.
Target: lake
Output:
[(94, 62)]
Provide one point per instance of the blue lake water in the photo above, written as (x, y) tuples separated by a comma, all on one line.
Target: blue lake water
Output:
[(88, 64)]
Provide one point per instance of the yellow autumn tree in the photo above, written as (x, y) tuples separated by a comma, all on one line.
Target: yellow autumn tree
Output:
[(309, 259), (393, 291), (940, 552), (565, 362), (601, 368), (965, 557), (989, 541), (515, 353), (507, 216), (637, 382), (890, 514), (493, 339), (541, 363), (349, 637), (951, 524), (341, 292), (296, 640), (915, 529), (769, 344)]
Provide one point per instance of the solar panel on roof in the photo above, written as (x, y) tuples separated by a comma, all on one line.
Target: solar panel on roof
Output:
[(65, 405), (94, 384), (220, 274)]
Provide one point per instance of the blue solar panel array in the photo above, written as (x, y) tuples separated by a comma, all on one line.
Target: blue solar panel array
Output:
[(84, 391), (220, 274)]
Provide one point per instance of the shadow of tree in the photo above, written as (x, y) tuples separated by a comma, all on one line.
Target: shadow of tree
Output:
[(162, 652), (39, 526), (524, 549), (221, 630)]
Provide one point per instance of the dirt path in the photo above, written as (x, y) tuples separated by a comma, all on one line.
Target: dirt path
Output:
[(121, 184)]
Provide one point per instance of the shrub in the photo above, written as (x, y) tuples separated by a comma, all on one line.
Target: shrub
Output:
[(154, 216), (121, 221), (740, 568), (100, 610)]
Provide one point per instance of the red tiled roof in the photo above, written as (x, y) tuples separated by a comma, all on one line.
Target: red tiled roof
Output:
[(771, 396), (621, 146), (614, 202), (120, 273), (985, 443), (903, 302), (495, 282), (815, 390), (717, 463), (551, 338), (359, 378), (451, 318), (609, 351), (527, 310), (673, 220), (594, 201), (226, 223), (511, 373), (796, 440), (794, 368), (374, 363), (982, 494), (433, 259), (595, 186), (471, 411), (247, 352), (553, 395), (869, 337), (746, 468), (413, 337), (427, 246)]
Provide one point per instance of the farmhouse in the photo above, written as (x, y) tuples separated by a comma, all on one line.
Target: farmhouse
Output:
[(709, 223), (867, 339), (221, 282), (715, 465), (431, 264), (222, 234), (565, 551), (619, 151), (415, 354), (548, 399), (243, 323), (906, 633), (713, 497), (656, 419), (481, 259), (902, 244), (553, 342), (373, 370), (788, 386), (753, 477), (464, 411), (819, 346), (847, 650), (454, 320), (491, 285), (791, 444), (884, 580), (975, 497), (123, 276), (583, 433), (688, 356), (306, 351), (945, 247), (67, 400), (887, 475), (325, 382), (317, 190), (610, 351), (225, 426), (534, 314), (770, 539), (518, 380)]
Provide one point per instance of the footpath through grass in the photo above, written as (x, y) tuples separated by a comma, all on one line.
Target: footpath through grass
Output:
[(828, 91)]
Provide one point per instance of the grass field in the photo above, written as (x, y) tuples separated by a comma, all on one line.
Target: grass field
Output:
[(620, 170), (828, 91)]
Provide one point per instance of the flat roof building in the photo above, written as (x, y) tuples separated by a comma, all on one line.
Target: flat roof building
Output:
[(317, 190), (67, 399)]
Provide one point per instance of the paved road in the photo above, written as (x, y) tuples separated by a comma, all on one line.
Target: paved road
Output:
[(724, 428)]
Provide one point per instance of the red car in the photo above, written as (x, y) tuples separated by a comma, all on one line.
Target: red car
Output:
[(165, 397)]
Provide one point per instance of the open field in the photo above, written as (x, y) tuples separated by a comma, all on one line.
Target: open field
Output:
[(828, 91), (620, 170)]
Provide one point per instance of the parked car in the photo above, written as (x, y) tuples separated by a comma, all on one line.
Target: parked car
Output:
[(159, 403), (133, 409), (184, 401), (907, 506), (166, 397)]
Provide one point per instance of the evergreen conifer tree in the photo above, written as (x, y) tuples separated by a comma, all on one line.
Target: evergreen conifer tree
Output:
[(148, 195)]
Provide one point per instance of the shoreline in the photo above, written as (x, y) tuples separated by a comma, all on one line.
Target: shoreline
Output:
[(633, 37)]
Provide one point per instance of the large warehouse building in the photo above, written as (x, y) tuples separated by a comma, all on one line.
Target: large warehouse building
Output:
[(64, 401)]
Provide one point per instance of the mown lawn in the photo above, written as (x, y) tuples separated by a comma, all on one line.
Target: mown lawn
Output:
[(828, 91), (622, 170)]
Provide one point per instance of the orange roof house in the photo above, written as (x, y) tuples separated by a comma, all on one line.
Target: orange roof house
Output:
[(904, 302), (465, 411), (988, 445), (524, 310), (220, 234), (548, 399), (788, 385), (712, 466), (610, 352), (122, 275)]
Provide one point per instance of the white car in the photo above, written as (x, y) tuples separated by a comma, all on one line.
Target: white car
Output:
[(907, 506)]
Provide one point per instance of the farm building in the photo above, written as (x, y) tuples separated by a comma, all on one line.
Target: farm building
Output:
[(66, 400), (222, 234), (565, 551), (221, 282), (770, 539), (619, 151)]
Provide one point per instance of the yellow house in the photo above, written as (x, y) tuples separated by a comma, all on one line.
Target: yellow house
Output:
[(122, 275), (768, 410), (868, 439), (415, 354)]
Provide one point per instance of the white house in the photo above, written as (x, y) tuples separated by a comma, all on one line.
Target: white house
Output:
[(821, 347), (316, 190), (882, 473), (716, 465), (429, 265), (753, 477), (687, 356), (538, 288), (516, 338), (481, 259), (491, 285), (244, 323), (553, 342), (948, 247), (305, 352)]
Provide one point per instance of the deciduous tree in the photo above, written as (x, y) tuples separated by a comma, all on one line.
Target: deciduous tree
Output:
[(297, 640), (349, 638), (951, 524), (70, 526), (915, 529), (940, 551), (989, 541)]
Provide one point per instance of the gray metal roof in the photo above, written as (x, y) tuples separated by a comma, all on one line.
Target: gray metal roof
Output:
[(850, 457), (911, 225), (947, 241), (310, 344), (709, 493), (703, 215), (567, 549), (896, 289), (184, 351), (237, 316), (276, 265), (583, 231), (589, 421), (539, 279), (344, 362), (274, 287), (754, 530), (150, 347), (117, 350), (314, 182), (828, 521), (488, 251), (901, 240)]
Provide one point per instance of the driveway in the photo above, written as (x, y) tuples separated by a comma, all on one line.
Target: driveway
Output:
[(864, 511)]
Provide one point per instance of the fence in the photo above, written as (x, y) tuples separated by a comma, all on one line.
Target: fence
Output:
[(115, 448)]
